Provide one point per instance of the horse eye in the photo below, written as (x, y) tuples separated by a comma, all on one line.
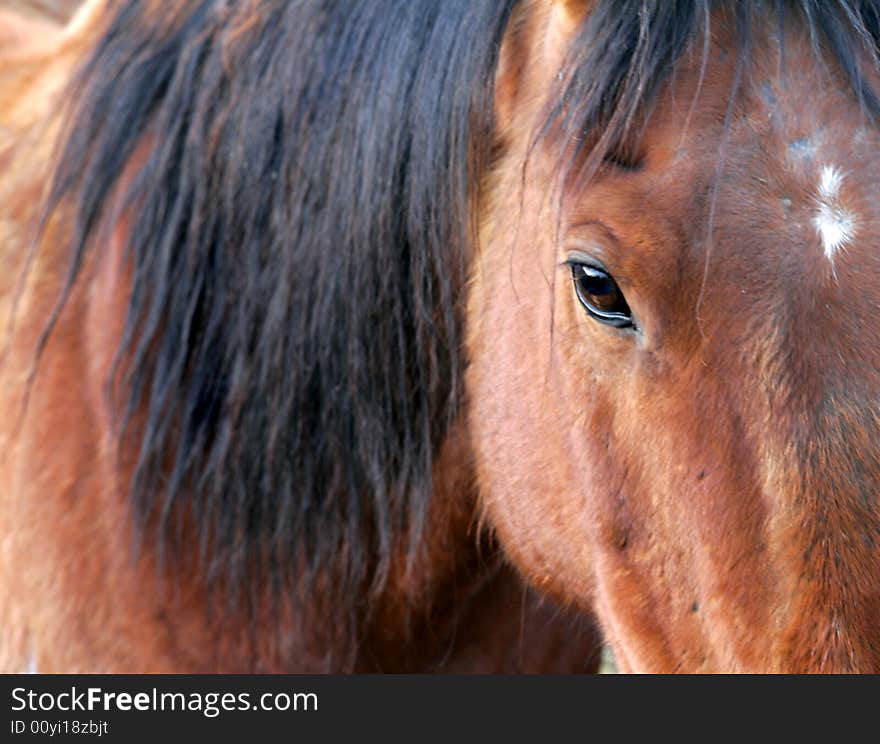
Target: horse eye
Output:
[(600, 295)]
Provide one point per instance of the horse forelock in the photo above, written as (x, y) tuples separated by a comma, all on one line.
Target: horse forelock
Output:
[(622, 54), (290, 360)]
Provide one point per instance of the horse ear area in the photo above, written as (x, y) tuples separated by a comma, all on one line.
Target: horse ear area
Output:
[(535, 31), (566, 19), (573, 11)]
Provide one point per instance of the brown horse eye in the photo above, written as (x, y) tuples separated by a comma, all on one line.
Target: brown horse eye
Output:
[(600, 296)]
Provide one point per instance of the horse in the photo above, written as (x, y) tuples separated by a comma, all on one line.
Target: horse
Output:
[(441, 336)]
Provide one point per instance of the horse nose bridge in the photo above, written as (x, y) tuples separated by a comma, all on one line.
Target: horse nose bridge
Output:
[(824, 534), (832, 445)]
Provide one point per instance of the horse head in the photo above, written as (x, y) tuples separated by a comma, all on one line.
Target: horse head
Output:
[(674, 335)]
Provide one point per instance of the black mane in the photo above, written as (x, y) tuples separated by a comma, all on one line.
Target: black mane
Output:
[(299, 247)]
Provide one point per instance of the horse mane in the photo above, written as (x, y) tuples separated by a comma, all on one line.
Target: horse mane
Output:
[(291, 357), (299, 244)]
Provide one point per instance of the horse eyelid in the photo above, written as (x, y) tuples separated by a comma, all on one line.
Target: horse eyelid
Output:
[(583, 259)]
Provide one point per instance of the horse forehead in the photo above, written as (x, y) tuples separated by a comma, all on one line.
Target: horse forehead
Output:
[(788, 193), (794, 120), (801, 156), (823, 179), (811, 126), (815, 168)]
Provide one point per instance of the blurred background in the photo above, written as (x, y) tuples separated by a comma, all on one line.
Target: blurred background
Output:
[(58, 10)]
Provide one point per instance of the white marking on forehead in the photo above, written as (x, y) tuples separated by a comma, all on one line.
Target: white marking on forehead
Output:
[(32, 665), (829, 183), (834, 223)]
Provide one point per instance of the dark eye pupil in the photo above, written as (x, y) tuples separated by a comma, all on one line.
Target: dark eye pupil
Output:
[(600, 288), (600, 296)]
